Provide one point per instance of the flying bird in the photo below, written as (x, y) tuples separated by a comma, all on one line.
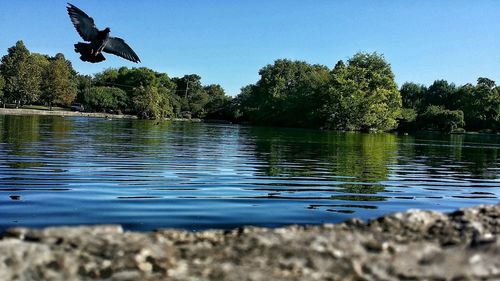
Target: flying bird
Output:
[(100, 41)]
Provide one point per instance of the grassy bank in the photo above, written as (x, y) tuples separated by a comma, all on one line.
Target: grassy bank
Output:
[(59, 112)]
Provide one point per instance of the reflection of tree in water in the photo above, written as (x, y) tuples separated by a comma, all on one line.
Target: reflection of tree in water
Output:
[(58, 133), (464, 154), (362, 188), (60, 127), (18, 132), (126, 137), (21, 133), (365, 157), (308, 153), (159, 140)]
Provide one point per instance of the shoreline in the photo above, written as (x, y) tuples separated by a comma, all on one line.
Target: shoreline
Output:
[(412, 245), (24, 111)]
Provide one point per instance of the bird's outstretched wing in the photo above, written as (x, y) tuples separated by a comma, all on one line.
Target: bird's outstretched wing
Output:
[(83, 23), (117, 46)]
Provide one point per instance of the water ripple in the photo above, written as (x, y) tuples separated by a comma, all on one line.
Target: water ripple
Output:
[(59, 171)]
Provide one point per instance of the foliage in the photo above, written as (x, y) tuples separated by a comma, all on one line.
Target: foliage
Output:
[(191, 95), (413, 95), (60, 88), (439, 93), (437, 117), (2, 84), (219, 105), (151, 103), (105, 99), (479, 104), (147, 93), (287, 94), (151, 95), (22, 75), (359, 94), (363, 95), (83, 85)]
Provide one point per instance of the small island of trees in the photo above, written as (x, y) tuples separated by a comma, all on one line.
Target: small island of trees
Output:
[(358, 94)]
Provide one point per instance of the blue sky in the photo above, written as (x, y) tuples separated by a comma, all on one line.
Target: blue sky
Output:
[(227, 42)]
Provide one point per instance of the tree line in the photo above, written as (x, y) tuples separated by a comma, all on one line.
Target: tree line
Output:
[(361, 94), (34, 79), (447, 107), (358, 94)]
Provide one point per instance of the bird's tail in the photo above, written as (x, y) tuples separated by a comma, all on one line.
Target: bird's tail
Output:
[(86, 53)]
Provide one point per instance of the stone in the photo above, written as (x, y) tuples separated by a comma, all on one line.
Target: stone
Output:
[(413, 245)]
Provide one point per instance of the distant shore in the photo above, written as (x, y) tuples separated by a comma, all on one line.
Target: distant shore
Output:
[(26, 111), (413, 245)]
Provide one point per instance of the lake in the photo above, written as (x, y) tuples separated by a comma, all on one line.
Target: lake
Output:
[(146, 175)]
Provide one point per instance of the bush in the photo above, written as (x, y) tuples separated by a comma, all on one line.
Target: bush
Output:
[(151, 103), (105, 99), (439, 118), (407, 120)]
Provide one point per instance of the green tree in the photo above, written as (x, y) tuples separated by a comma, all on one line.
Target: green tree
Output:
[(42, 63), (22, 75), (192, 96), (219, 105), (83, 85), (108, 78), (102, 98), (245, 104), (137, 82), (480, 104), (288, 93), (413, 95), (437, 117), (485, 105), (363, 95), (2, 84), (440, 93), (60, 87), (152, 103)]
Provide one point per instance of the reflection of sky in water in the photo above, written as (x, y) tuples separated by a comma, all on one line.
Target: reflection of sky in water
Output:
[(57, 170)]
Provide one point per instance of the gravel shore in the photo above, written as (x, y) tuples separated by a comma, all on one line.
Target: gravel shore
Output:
[(415, 245)]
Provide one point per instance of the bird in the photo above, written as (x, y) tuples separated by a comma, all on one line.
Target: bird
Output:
[(100, 41)]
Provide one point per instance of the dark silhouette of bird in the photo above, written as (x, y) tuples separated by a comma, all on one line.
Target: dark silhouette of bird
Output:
[(100, 41)]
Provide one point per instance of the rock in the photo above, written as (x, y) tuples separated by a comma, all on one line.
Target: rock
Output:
[(414, 245)]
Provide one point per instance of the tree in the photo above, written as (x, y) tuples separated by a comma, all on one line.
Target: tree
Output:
[(22, 75), (363, 95), (485, 113), (288, 93), (413, 95), (151, 103), (437, 117), (108, 78), (2, 84), (219, 105), (137, 82), (60, 88), (191, 95), (245, 104), (83, 85), (105, 99), (440, 93)]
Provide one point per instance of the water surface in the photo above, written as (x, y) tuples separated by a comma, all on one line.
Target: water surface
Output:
[(147, 174)]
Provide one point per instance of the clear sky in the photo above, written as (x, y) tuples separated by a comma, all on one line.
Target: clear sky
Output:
[(228, 41)]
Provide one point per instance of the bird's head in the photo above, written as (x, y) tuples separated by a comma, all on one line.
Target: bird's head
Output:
[(107, 30)]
